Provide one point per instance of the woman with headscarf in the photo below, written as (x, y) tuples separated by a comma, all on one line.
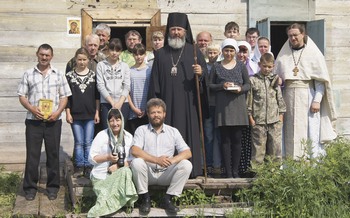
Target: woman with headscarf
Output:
[(111, 176), (230, 82)]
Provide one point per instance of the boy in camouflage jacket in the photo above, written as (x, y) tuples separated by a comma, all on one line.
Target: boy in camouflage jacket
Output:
[(265, 109)]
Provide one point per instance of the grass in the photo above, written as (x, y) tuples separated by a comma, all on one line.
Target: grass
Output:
[(8, 190), (305, 188)]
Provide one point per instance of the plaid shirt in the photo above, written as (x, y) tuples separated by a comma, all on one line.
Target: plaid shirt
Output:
[(35, 87)]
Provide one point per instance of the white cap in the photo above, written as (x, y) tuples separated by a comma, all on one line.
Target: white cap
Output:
[(245, 44), (230, 42)]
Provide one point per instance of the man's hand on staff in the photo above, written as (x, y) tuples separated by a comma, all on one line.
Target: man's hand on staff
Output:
[(197, 69)]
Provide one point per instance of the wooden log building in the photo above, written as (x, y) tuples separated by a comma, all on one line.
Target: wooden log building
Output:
[(25, 24)]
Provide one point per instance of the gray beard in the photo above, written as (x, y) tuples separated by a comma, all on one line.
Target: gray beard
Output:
[(177, 43)]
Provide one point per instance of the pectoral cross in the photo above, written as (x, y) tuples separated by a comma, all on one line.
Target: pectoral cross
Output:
[(295, 71)]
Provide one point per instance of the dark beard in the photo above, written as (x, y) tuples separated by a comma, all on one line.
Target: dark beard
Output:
[(158, 124)]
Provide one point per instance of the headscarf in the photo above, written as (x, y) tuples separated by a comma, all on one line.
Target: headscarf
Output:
[(180, 20), (252, 66), (257, 54), (116, 142)]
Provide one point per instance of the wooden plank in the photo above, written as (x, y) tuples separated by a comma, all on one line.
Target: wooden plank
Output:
[(326, 7), (70, 7), (121, 14), (343, 126), (14, 70), (15, 132), (57, 39), (24, 208), (32, 22), (9, 87), (28, 54), (204, 6)]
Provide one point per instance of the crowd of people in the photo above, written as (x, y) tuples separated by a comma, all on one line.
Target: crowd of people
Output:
[(136, 115)]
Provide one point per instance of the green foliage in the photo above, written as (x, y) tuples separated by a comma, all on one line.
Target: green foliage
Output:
[(8, 190), (84, 204), (194, 197), (308, 187)]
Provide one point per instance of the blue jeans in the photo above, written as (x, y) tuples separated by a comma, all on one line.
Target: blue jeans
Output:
[(83, 132), (212, 140)]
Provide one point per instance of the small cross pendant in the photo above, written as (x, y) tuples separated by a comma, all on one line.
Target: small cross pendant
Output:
[(295, 70)]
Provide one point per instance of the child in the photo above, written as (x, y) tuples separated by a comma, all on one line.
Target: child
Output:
[(229, 81), (113, 81), (157, 43), (231, 30), (211, 133), (82, 110), (140, 75), (265, 108)]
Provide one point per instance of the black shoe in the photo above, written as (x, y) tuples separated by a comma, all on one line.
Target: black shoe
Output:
[(168, 206), (78, 172), (145, 206), (51, 196), (236, 176), (87, 172), (30, 196)]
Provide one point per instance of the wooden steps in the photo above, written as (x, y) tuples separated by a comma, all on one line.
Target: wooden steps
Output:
[(41, 206), (220, 187), (73, 189)]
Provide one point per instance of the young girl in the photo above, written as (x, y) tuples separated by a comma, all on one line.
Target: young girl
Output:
[(113, 81), (140, 75), (230, 81), (82, 110)]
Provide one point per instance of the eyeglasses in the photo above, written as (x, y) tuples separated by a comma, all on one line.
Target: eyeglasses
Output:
[(293, 35)]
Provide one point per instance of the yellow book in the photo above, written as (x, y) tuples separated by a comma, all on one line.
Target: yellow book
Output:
[(45, 106)]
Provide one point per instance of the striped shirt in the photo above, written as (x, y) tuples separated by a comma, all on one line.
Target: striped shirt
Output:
[(139, 88), (35, 87)]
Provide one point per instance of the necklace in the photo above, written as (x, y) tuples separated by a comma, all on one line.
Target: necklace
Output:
[(296, 69), (174, 68)]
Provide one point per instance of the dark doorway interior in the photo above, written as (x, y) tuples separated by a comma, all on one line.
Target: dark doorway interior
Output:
[(278, 37), (119, 32)]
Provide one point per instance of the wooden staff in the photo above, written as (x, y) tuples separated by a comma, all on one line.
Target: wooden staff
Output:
[(200, 114)]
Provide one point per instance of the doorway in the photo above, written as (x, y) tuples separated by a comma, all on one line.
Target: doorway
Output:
[(121, 21), (119, 32)]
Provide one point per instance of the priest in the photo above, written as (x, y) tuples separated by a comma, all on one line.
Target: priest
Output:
[(308, 95), (173, 79)]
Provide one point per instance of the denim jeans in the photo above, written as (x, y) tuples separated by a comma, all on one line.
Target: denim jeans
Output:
[(212, 140), (83, 132)]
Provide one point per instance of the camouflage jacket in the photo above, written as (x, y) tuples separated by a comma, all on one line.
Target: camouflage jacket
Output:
[(265, 101)]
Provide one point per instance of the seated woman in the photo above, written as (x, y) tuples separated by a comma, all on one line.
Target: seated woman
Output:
[(111, 176)]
